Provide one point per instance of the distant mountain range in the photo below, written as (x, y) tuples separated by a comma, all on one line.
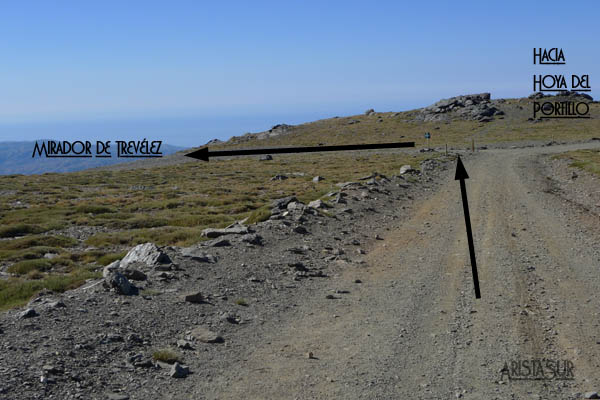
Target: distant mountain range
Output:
[(16, 158)]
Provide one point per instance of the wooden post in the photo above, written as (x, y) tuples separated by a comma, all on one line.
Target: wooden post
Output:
[(446, 148)]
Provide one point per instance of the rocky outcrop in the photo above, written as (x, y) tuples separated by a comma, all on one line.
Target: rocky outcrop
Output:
[(476, 107), (277, 130), (563, 93)]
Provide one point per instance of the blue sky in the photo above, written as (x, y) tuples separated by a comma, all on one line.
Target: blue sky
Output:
[(188, 71)]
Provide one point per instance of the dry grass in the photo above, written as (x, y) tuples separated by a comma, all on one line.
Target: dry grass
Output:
[(587, 160), (171, 204)]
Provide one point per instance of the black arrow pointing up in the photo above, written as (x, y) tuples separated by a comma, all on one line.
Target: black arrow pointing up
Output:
[(461, 174), (204, 154)]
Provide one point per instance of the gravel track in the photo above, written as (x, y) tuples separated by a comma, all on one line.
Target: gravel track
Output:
[(400, 321)]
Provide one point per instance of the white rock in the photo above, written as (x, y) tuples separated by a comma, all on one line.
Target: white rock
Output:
[(405, 168), (147, 253)]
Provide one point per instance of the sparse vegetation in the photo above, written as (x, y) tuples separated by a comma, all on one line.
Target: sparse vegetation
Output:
[(241, 302), (109, 258), (172, 204), (588, 160), (26, 266), (15, 292), (169, 356)]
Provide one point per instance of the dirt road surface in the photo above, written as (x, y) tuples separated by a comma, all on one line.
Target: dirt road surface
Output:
[(413, 329)]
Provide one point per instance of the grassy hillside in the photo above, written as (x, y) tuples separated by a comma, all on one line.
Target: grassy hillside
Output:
[(56, 230), (400, 126), (88, 219)]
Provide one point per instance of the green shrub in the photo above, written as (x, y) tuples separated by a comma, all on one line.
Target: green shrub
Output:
[(259, 215), (20, 230), (241, 302), (38, 240), (93, 209), (166, 355), (26, 266), (109, 258), (15, 292)]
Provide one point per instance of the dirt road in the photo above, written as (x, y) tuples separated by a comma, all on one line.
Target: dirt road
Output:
[(413, 329)]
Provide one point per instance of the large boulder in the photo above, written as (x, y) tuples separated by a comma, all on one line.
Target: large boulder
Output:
[(147, 253)]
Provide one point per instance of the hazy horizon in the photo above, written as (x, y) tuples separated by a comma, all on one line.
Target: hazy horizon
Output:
[(189, 72), (186, 130)]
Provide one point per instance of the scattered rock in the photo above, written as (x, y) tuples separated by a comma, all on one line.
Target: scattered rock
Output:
[(184, 344), (179, 371), (295, 205), (117, 281), (56, 304), (196, 298), (214, 232), (279, 177), (252, 238), (266, 157), (112, 267), (117, 396), (231, 318), (300, 229), (206, 335), (217, 243), (28, 313), (406, 169), (134, 338), (298, 266), (196, 254), (318, 179), (283, 202), (591, 395), (430, 165), (317, 204), (370, 111), (134, 274), (51, 369)]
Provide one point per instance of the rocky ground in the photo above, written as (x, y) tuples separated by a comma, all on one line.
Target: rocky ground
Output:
[(367, 295), (205, 302)]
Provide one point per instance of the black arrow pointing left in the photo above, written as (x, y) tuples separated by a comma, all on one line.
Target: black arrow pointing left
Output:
[(204, 154)]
